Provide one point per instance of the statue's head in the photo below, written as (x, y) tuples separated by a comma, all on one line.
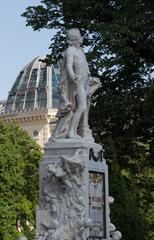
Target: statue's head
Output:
[(74, 37)]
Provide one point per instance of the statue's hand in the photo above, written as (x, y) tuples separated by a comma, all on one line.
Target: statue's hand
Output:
[(75, 79), (94, 80), (94, 84)]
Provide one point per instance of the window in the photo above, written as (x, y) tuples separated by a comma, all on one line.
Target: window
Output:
[(10, 102), (36, 134), (19, 101), (30, 98), (43, 77), (55, 94), (17, 82), (26, 74), (33, 78), (42, 98)]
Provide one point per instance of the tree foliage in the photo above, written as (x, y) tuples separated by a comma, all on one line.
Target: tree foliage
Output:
[(19, 160), (118, 36)]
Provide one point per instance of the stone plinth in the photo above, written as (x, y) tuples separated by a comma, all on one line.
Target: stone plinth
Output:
[(73, 197)]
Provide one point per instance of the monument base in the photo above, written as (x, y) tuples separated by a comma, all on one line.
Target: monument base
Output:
[(73, 200), (73, 196)]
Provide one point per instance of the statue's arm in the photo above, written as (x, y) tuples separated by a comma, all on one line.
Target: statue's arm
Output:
[(69, 62)]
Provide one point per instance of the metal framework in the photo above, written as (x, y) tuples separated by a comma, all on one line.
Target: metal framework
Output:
[(36, 87)]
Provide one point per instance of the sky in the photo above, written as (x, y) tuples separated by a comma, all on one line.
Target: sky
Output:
[(18, 44)]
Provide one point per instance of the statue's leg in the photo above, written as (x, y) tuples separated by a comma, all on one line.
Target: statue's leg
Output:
[(85, 130), (81, 102)]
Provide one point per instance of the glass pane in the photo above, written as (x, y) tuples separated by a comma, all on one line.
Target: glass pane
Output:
[(57, 70), (17, 82), (33, 78), (19, 101), (30, 98), (8, 107), (10, 102), (43, 77), (26, 74), (55, 93), (42, 98)]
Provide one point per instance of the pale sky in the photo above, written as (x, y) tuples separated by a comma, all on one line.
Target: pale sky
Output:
[(18, 44)]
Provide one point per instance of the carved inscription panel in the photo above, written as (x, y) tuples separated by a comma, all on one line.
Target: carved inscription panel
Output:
[(97, 204)]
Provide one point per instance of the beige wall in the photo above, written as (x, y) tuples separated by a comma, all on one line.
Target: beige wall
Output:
[(34, 122), (41, 127)]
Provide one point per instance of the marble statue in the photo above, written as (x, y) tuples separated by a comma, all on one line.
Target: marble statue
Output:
[(76, 88), (72, 204)]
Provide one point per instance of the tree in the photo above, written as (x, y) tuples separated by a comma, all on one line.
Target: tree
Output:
[(120, 53), (19, 160), (125, 213), (118, 36)]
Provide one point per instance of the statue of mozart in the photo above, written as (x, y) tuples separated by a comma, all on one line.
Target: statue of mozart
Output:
[(76, 87)]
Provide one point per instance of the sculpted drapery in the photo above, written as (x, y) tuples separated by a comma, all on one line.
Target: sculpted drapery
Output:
[(76, 87)]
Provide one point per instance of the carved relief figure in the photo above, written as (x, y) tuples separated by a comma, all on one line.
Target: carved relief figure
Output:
[(114, 234), (76, 88), (63, 212)]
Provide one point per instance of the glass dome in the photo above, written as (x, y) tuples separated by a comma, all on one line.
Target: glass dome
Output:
[(36, 87)]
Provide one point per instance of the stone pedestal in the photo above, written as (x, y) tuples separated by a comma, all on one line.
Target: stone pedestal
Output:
[(73, 197)]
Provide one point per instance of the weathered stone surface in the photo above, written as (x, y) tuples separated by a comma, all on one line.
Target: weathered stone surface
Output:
[(76, 87), (63, 211), (73, 198)]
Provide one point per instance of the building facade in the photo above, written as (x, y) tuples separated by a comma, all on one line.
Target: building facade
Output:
[(33, 100)]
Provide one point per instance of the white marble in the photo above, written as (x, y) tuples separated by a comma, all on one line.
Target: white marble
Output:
[(76, 88), (73, 188), (114, 233), (63, 212), (64, 205)]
